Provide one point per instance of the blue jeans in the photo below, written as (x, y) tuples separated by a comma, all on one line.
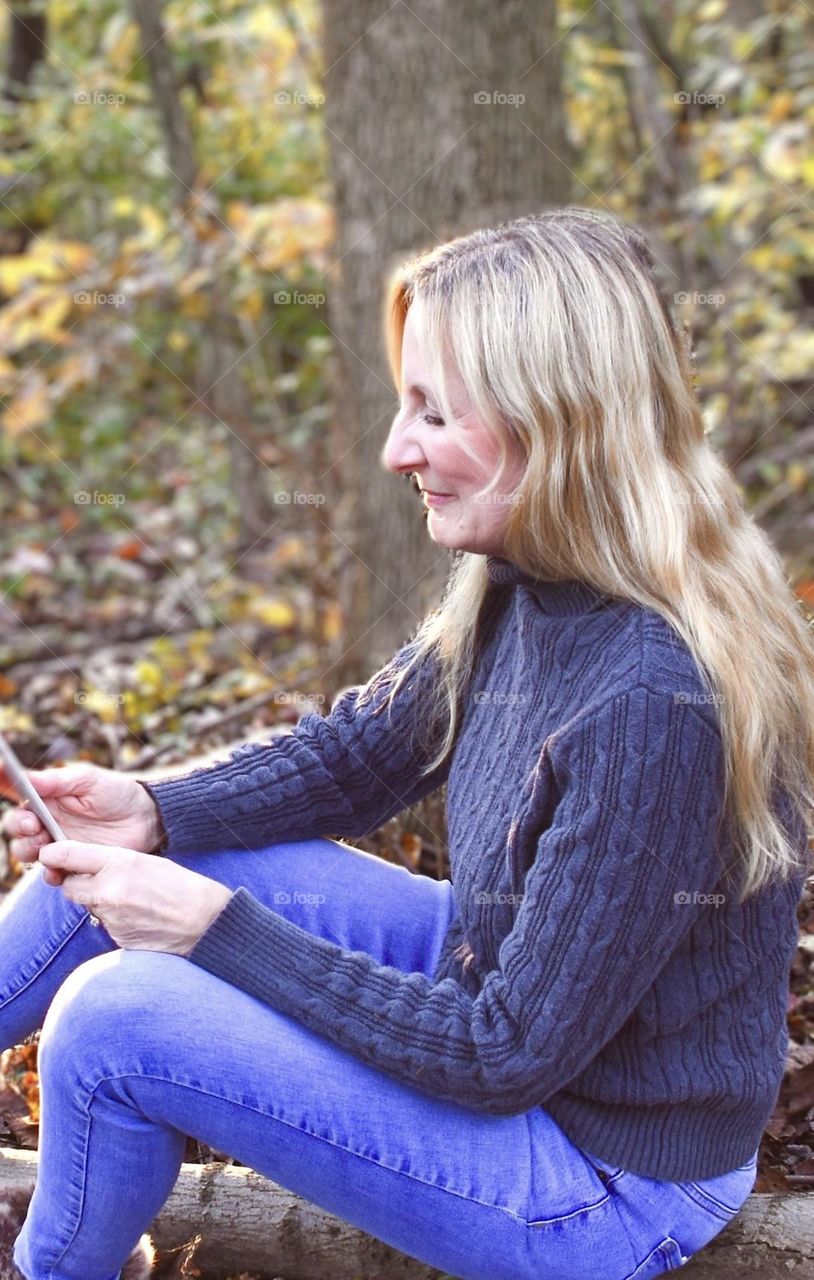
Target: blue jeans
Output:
[(140, 1048)]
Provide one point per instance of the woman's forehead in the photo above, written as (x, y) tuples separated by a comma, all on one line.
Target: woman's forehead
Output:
[(416, 370)]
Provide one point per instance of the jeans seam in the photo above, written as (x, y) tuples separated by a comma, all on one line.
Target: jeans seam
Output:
[(572, 1213), (41, 968), (139, 1075), (82, 1195), (698, 1196), (564, 1217), (665, 1247)]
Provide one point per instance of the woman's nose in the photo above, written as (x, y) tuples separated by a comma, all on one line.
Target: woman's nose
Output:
[(401, 451)]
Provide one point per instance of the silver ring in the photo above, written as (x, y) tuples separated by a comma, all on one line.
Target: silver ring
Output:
[(95, 921)]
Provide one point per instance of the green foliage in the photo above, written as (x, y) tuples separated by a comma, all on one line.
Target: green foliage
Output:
[(739, 138), (110, 295), (107, 309)]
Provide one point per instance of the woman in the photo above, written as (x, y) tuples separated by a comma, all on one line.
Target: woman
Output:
[(563, 1064)]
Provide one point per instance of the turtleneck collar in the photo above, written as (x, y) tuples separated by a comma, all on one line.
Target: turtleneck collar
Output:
[(562, 598)]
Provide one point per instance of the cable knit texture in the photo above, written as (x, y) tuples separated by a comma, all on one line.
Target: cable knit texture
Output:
[(613, 979)]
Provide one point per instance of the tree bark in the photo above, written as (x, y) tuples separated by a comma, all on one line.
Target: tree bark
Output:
[(26, 47), (249, 1223), (416, 159), (181, 160), (222, 391), (27, 37)]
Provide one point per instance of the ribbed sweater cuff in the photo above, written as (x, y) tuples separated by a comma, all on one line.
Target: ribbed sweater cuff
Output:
[(272, 962)]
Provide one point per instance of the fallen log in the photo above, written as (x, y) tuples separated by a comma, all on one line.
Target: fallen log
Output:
[(248, 1223), (772, 1238)]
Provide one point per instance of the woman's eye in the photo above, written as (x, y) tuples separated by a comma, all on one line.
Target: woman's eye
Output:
[(432, 420)]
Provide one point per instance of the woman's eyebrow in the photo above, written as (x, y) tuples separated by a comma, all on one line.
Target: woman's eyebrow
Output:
[(429, 395), (424, 391)]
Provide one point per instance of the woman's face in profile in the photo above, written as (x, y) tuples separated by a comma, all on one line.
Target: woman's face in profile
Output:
[(421, 441)]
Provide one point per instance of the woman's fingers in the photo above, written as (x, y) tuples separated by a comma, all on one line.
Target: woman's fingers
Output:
[(27, 834), (26, 848), (21, 822)]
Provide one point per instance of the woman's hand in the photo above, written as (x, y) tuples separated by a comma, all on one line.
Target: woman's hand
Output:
[(90, 804), (144, 903)]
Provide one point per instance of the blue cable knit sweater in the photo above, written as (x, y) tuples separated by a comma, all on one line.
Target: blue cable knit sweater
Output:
[(614, 979)]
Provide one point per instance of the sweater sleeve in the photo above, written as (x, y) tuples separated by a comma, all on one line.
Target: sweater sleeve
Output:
[(618, 877), (344, 774)]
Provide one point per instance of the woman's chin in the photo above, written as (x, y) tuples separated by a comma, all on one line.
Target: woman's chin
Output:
[(451, 540)]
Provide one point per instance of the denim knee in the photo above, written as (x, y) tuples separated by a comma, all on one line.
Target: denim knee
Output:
[(104, 1005)]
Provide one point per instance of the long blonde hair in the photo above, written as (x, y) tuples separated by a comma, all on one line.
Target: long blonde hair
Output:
[(566, 346)]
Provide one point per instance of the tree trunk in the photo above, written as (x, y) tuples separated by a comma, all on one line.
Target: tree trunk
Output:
[(27, 38), (415, 160), (26, 46), (181, 161), (222, 389), (247, 1222), (225, 395)]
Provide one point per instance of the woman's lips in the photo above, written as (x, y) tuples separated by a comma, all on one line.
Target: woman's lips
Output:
[(437, 499)]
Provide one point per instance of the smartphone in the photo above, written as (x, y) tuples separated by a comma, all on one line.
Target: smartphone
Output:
[(26, 791)]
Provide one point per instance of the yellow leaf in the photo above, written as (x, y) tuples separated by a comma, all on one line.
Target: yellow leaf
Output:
[(121, 42), (74, 371), (52, 315), (710, 165), (252, 305), (762, 257), (148, 676), (237, 214), (289, 550), (123, 206), (33, 317), (332, 622), (262, 23), (290, 230), (606, 56), (47, 260), (780, 106), (131, 246), (196, 306), (152, 221), (14, 721), (102, 705), (192, 283), (742, 44), (797, 475), (787, 357), (20, 268), (75, 254), (31, 408), (177, 340), (273, 613)]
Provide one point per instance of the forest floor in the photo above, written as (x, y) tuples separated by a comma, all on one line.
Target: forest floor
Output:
[(130, 654)]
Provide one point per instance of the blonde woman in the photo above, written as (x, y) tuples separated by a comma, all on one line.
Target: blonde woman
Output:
[(560, 1063)]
